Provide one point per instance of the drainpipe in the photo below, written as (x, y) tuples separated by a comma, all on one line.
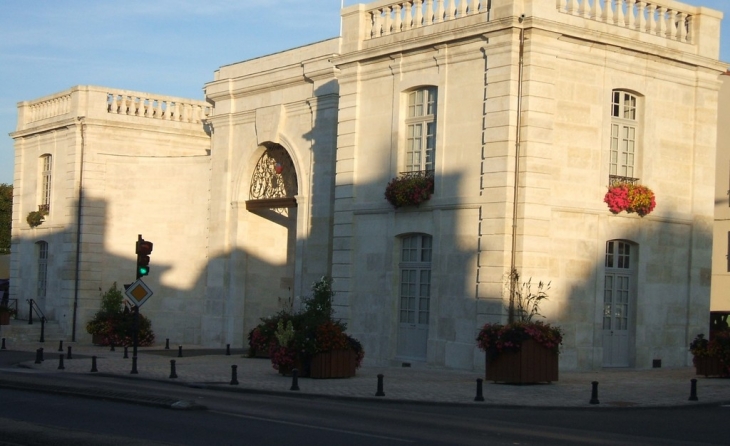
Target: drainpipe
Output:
[(513, 276), (78, 229)]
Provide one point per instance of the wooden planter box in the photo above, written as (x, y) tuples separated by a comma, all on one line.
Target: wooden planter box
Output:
[(335, 364), (709, 366), (532, 364), (4, 318)]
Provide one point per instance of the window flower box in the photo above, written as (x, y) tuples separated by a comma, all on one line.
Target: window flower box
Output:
[(630, 197), (708, 366), (410, 188)]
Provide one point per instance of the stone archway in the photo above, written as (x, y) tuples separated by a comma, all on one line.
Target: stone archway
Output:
[(270, 235)]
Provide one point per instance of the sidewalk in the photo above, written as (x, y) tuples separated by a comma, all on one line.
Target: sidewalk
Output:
[(617, 388)]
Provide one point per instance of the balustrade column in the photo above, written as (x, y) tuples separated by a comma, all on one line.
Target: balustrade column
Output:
[(474, 7), (673, 25), (618, 13), (408, 16), (573, 7), (418, 21), (439, 12), (462, 8), (388, 21), (640, 10), (607, 15), (661, 21), (451, 10), (630, 19), (681, 26), (429, 12), (398, 25), (651, 14)]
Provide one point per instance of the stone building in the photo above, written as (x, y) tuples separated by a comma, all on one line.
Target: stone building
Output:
[(522, 112)]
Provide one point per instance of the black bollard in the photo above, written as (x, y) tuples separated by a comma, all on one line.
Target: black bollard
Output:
[(3, 347), (69, 353), (93, 365), (167, 344), (112, 349), (179, 352), (380, 386), (228, 349), (60, 362), (480, 396), (41, 349), (234, 375), (60, 345), (294, 380), (126, 355), (134, 366), (38, 356), (173, 374), (693, 390), (594, 393)]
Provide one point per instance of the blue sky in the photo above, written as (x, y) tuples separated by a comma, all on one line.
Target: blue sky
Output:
[(168, 47)]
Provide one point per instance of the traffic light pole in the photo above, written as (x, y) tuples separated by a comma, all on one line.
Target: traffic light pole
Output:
[(135, 339)]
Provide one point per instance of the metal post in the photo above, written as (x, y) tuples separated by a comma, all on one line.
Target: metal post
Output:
[(234, 375), (179, 351), (60, 362), (594, 393), (294, 380), (38, 356), (173, 373), (126, 355), (60, 345), (167, 344), (3, 347), (228, 349), (480, 396), (43, 329), (693, 390), (69, 353), (380, 386), (30, 313), (93, 365), (134, 366)]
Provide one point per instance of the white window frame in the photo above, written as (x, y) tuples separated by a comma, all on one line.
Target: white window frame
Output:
[(624, 137), (420, 138), (46, 182)]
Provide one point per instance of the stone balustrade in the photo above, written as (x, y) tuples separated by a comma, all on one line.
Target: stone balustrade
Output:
[(56, 106), (394, 17), (659, 18), (156, 108)]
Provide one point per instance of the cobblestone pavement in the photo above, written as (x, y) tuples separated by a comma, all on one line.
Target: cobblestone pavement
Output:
[(213, 368)]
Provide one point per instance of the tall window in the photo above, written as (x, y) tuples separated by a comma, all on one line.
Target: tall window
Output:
[(624, 130), (421, 130), (42, 269), (415, 283), (47, 165)]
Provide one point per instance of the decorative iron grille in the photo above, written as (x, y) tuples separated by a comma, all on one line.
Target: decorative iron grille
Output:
[(613, 180), (274, 175)]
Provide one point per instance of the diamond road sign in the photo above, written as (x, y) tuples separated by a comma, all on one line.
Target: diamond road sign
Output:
[(138, 293)]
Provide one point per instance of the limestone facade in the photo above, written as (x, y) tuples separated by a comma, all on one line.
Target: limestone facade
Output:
[(521, 110)]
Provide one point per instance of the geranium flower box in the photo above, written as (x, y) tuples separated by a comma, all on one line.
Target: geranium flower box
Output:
[(334, 364), (532, 363)]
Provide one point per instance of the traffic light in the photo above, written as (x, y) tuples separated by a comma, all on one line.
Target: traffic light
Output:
[(143, 250)]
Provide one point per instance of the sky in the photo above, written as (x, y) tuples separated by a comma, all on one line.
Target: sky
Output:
[(165, 47)]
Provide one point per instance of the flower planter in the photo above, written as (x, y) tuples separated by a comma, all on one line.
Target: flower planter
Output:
[(335, 364), (533, 363), (5, 318), (709, 366)]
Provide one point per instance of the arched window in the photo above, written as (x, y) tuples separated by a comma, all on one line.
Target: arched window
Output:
[(42, 269), (46, 176), (625, 126), (420, 154)]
